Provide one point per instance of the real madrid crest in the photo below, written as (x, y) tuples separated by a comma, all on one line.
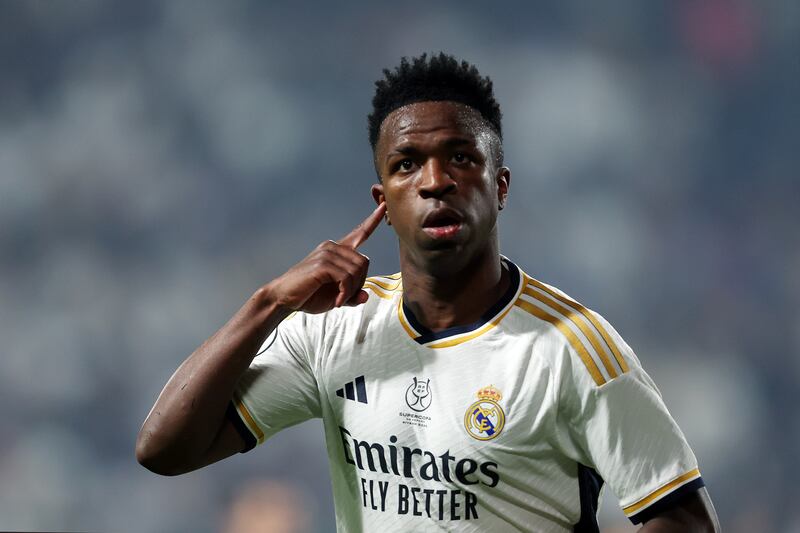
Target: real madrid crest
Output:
[(485, 418)]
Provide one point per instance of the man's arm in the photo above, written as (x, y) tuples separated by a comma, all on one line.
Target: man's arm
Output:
[(693, 513), (188, 416), (187, 428)]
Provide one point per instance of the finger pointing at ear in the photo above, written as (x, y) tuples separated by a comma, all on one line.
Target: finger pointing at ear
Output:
[(361, 233)]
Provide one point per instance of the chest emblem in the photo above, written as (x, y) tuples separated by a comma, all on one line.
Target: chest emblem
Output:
[(418, 395), (485, 418)]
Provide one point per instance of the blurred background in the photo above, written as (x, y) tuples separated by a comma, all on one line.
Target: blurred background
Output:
[(161, 160)]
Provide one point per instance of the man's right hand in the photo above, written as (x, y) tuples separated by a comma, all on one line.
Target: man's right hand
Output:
[(186, 428), (330, 276)]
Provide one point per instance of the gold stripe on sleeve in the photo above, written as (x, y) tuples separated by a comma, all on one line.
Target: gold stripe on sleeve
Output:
[(588, 314), (249, 420), (576, 319), (385, 285), (571, 337), (377, 290), (674, 484)]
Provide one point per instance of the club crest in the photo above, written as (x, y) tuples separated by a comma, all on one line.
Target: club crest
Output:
[(485, 418)]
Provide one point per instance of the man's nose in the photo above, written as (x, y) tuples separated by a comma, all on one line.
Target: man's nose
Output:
[(436, 182)]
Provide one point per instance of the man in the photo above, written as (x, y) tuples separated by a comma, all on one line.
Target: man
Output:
[(461, 394)]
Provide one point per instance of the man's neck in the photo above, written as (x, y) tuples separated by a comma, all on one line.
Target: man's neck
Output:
[(458, 298)]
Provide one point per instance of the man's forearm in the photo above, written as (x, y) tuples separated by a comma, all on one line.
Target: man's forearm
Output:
[(190, 409), (669, 525)]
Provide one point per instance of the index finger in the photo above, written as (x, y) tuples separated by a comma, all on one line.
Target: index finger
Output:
[(361, 233)]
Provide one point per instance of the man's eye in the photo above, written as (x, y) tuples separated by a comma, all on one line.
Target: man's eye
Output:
[(460, 158), (406, 164)]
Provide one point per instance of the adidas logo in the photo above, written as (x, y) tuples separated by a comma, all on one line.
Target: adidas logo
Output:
[(354, 390)]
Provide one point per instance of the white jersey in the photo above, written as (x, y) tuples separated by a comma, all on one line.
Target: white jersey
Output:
[(513, 423)]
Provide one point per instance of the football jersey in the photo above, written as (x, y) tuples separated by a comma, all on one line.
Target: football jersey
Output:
[(513, 423)]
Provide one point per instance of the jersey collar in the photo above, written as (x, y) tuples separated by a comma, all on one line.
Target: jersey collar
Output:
[(458, 334)]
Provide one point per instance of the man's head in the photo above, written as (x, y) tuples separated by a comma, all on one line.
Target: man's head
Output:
[(436, 134), (436, 79)]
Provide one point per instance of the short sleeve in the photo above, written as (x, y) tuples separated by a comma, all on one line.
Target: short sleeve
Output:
[(623, 430), (279, 389)]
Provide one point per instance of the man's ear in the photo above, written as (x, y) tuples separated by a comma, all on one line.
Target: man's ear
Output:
[(377, 195), (503, 179)]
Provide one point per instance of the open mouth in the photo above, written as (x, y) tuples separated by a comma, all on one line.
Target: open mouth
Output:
[(442, 223)]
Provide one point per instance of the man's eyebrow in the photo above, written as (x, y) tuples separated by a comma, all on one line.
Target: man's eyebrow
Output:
[(403, 150), (411, 150), (406, 150)]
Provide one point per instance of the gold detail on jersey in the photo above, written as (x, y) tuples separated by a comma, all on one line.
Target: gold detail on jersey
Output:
[(576, 319), (490, 393), (406, 326), (382, 288), (588, 314), (453, 341), (445, 343), (458, 339), (573, 339), (674, 484), (384, 285), (377, 290), (249, 420), (485, 419)]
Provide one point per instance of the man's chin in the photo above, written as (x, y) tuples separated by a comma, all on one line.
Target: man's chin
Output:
[(441, 245)]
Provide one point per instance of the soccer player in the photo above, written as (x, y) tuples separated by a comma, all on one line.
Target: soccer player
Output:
[(460, 394)]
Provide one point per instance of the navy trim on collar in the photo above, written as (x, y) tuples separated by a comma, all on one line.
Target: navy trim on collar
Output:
[(426, 335)]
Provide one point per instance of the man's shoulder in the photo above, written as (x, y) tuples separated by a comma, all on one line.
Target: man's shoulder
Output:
[(585, 334), (531, 283), (384, 287)]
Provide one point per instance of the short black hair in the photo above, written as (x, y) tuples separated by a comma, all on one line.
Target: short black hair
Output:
[(438, 78)]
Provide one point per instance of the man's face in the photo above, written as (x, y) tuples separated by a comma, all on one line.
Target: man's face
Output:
[(439, 179)]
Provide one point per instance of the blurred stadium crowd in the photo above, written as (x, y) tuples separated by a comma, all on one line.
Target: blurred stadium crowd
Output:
[(160, 161)]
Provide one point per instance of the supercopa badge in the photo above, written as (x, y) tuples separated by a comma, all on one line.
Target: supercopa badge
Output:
[(485, 418), (418, 395)]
